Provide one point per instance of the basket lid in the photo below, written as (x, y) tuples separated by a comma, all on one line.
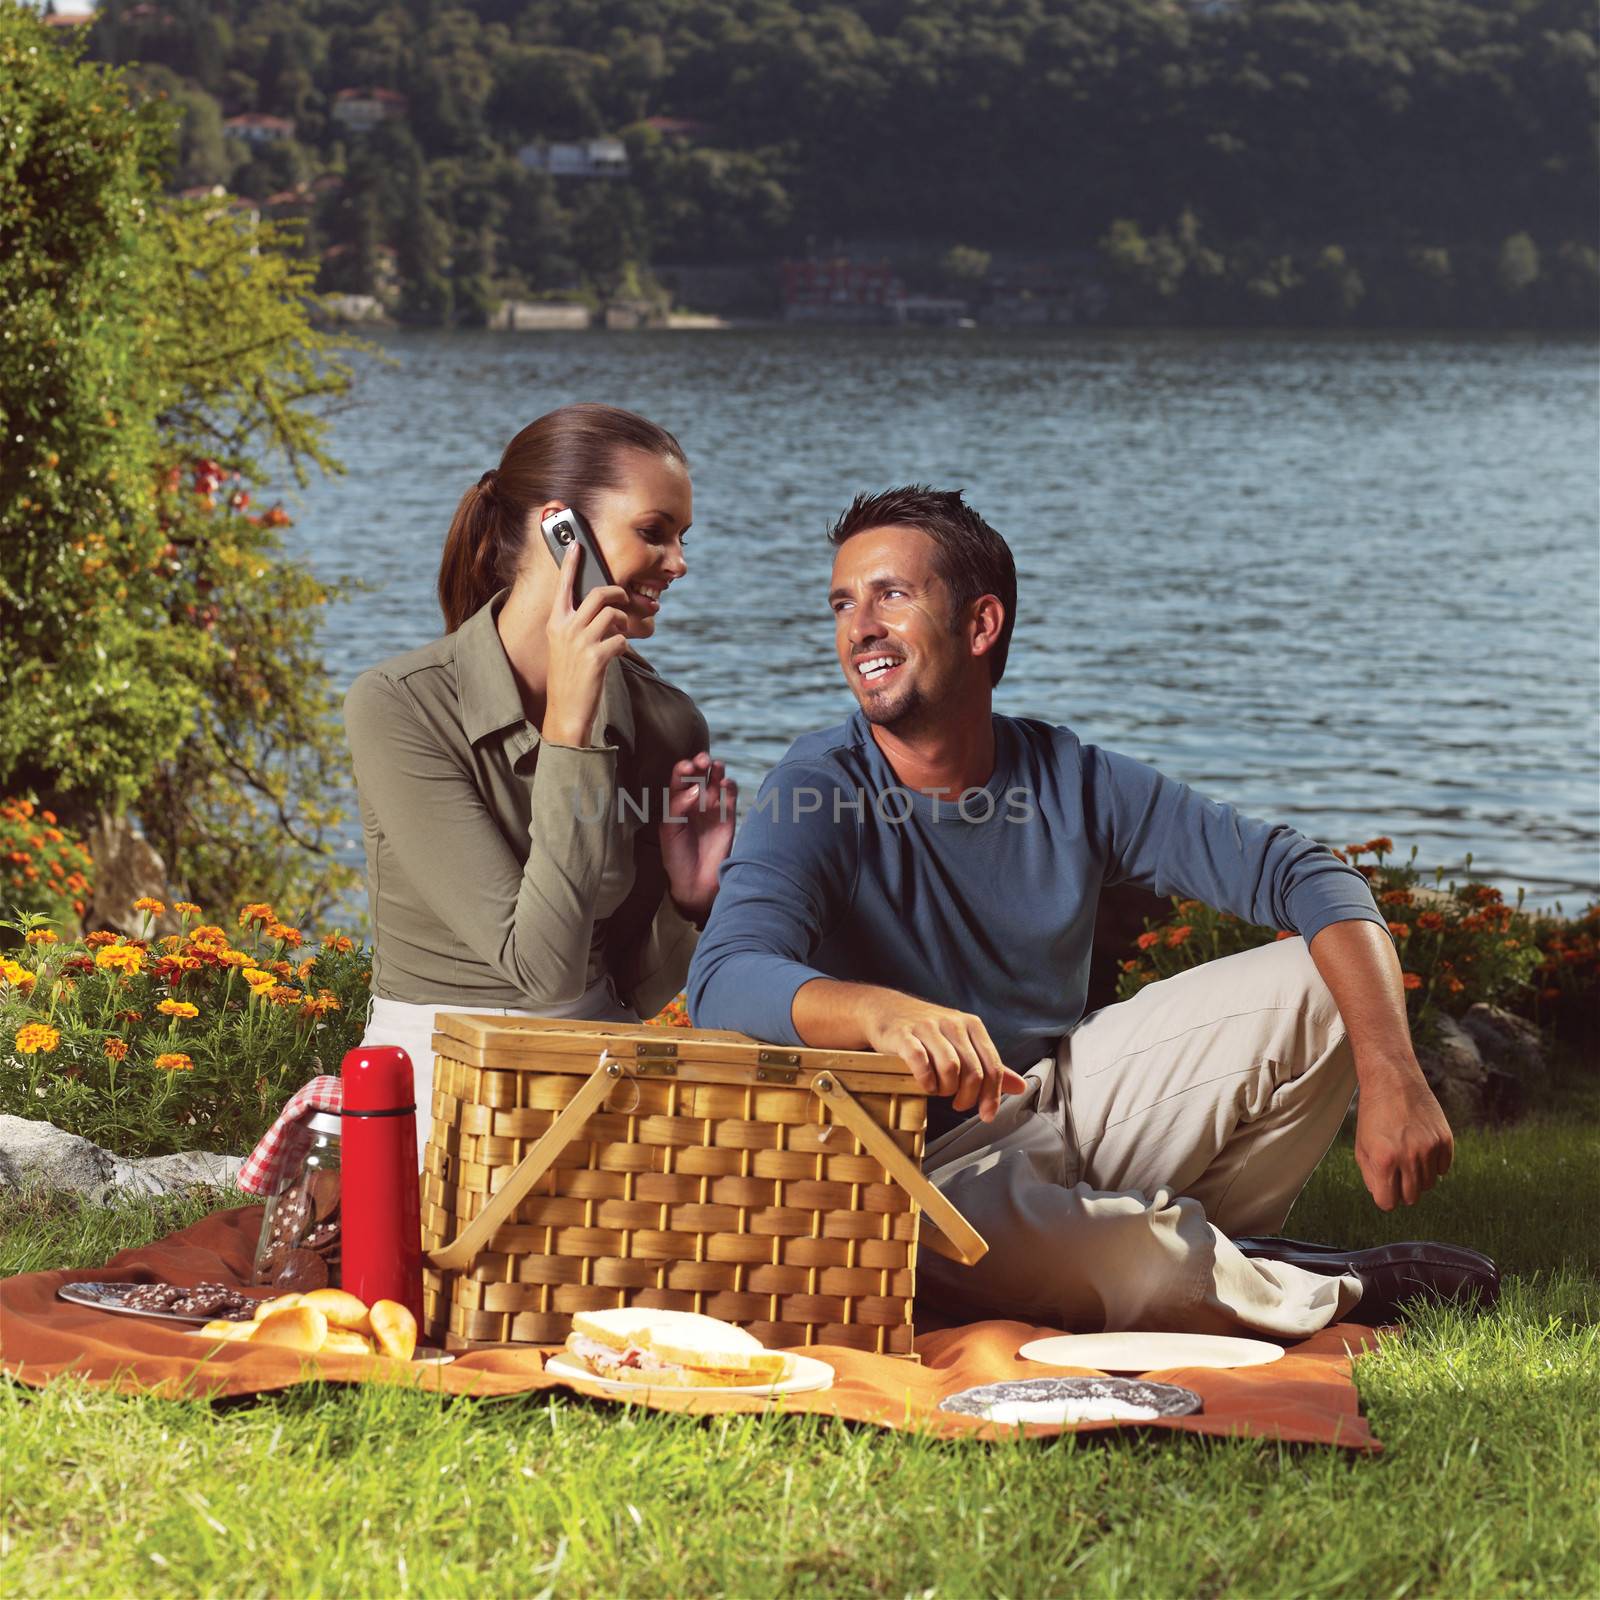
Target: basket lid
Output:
[(565, 1045)]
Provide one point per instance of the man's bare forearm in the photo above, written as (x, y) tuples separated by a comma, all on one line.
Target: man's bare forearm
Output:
[(1358, 963), (833, 1016)]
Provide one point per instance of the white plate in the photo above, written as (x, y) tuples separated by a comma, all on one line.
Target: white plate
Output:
[(808, 1376), (426, 1355), (1149, 1352)]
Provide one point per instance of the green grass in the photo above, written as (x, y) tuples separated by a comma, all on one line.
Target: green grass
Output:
[(1489, 1485)]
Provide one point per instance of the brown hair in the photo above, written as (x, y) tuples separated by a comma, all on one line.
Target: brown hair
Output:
[(564, 455), (973, 559)]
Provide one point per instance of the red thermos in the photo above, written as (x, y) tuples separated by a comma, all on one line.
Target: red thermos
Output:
[(379, 1197)]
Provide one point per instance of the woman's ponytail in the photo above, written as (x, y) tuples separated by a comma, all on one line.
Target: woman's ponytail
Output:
[(469, 574), (564, 456)]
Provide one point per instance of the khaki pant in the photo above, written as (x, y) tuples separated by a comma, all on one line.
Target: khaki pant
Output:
[(1165, 1124)]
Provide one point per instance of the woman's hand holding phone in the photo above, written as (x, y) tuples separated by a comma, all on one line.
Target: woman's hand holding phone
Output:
[(697, 832), (582, 640)]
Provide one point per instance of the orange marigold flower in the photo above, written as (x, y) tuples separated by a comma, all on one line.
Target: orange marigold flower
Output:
[(78, 964), (1454, 985), (1178, 935), (49, 816), (208, 936), (1380, 846), (186, 908), (1430, 922), (282, 968), (1395, 897), (256, 911), (102, 937), (130, 1017), (42, 936), (284, 994), (148, 903), (36, 1038), (116, 1049), (283, 935), (1401, 930), (1411, 980), (120, 958), (1147, 939), (303, 971), (174, 1061), (340, 942), (177, 1008)]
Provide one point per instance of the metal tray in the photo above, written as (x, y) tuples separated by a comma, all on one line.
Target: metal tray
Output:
[(110, 1297)]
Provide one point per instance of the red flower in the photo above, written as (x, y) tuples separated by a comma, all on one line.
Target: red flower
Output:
[(1411, 980), (1179, 935), (1147, 939)]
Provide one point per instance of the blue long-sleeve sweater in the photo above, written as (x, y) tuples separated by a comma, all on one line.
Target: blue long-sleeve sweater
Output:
[(839, 872)]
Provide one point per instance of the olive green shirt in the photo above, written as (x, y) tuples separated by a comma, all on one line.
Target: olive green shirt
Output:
[(501, 868)]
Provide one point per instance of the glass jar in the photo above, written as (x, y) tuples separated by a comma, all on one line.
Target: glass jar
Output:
[(299, 1247)]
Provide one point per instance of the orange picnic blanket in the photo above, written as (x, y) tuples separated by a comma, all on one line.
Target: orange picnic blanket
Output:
[(1308, 1397)]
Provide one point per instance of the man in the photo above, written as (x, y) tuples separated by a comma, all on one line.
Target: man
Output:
[(923, 880)]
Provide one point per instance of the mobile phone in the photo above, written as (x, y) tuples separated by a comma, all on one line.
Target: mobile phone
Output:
[(562, 530)]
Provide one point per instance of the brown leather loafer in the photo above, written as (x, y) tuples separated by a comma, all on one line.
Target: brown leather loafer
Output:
[(1393, 1276)]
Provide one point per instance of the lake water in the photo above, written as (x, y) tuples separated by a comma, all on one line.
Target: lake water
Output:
[(1348, 583)]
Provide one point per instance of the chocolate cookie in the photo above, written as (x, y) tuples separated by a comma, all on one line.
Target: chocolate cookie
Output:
[(323, 1188), (301, 1272)]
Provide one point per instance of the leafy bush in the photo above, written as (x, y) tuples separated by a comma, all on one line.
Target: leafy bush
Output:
[(44, 866), (1458, 943), (157, 648), (1566, 983), (189, 1042)]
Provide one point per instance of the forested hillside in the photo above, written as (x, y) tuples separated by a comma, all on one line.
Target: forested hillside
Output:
[(1376, 161)]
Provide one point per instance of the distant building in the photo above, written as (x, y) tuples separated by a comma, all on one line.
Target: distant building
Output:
[(67, 19), (841, 290), (586, 158), (361, 110), (254, 128)]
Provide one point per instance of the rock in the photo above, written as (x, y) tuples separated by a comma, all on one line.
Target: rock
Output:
[(1505, 1039), (127, 867), (1455, 1071), (41, 1155), (187, 1169)]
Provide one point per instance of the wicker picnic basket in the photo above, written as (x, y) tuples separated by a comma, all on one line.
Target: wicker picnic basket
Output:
[(580, 1165)]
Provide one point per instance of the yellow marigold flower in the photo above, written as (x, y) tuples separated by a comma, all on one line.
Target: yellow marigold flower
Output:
[(42, 936), (174, 1061), (172, 944), (234, 958), (186, 908), (257, 979), (116, 1049), (177, 1008), (17, 975), (145, 903), (256, 911), (120, 958), (34, 1038)]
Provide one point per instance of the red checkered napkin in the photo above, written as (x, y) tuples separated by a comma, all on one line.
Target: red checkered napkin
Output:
[(284, 1144)]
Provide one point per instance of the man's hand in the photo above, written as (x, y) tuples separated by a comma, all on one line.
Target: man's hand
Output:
[(948, 1052), (1403, 1143), (697, 832)]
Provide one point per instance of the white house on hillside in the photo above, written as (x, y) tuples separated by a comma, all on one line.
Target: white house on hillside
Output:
[(586, 158)]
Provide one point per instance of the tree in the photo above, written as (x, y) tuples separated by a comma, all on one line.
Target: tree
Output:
[(157, 648)]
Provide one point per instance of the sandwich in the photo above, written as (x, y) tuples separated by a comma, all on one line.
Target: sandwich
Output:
[(671, 1349)]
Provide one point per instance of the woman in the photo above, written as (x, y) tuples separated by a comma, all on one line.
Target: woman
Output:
[(504, 873)]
